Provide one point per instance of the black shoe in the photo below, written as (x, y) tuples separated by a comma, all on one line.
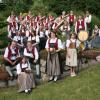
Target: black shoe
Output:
[(11, 78), (30, 90)]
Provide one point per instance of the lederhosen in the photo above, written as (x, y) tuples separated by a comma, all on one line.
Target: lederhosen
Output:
[(37, 47), (13, 33), (89, 27), (19, 41), (42, 42), (33, 42), (24, 36)]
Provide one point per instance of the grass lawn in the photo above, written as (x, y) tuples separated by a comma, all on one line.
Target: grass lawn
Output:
[(86, 86)]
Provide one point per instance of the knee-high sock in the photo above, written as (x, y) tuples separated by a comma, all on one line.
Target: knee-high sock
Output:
[(37, 69), (9, 70)]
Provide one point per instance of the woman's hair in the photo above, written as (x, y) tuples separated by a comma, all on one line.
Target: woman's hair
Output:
[(26, 60), (54, 32), (73, 34), (34, 32)]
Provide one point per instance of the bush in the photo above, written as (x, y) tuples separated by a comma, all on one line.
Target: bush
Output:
[(95, 20), (3, 24), (39, 7)]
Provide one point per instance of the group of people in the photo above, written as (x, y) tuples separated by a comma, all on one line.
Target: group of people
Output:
[(28, 35)]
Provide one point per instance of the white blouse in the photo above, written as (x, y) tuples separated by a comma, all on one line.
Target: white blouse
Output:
[(16, 38), (62, 28), (26, 65), (88, 19), (47, 33), (73, 40), (41, 34), (30, 54), (34, 38)]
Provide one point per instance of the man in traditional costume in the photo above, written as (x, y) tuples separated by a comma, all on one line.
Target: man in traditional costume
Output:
[(11, 56)]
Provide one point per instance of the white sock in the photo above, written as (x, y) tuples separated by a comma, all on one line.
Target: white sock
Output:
[(37, 69), (55, 79), (51, 77), (26, 91)]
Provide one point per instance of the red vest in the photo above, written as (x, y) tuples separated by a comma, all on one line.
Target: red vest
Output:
[(82, 24), (38, 18), (71, 18), (55, 44), (27, 17), (12, 24), (10, 52), (32, 23)]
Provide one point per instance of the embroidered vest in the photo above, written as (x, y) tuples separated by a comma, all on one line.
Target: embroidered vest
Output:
[(53, 45), (10, 54), (80, 25), (71, 18)]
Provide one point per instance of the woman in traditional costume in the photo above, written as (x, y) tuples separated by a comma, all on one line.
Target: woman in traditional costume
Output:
[(71, 58), (26, 79), (53, 46)]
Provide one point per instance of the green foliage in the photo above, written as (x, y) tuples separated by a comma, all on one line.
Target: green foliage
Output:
[(39, 7), (3, 37), (3, 24), (59, 5), (3, 31), (96, 20)]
